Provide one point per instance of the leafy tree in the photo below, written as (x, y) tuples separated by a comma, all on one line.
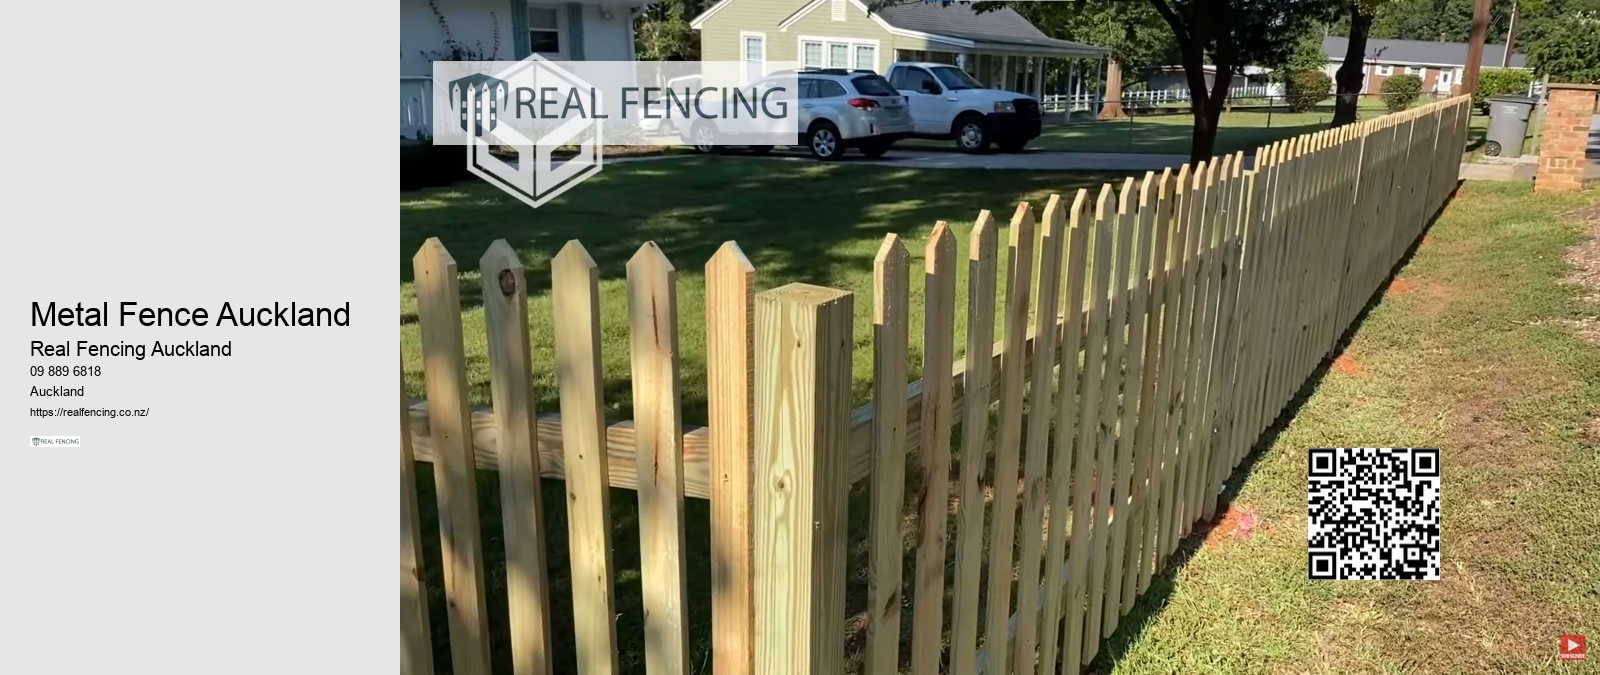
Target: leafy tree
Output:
[(1570, 55), (1400, 91), (662, 32), (1307, 55), (1137, 37), (1493, 82)]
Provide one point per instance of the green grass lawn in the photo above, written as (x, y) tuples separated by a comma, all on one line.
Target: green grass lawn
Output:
[(1473, 352), (797, 221)]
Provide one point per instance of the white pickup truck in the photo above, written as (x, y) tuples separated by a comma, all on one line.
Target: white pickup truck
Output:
[(948, 103)]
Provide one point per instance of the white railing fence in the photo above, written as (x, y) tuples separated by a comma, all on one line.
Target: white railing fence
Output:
[(1150, 98), (416, 107)]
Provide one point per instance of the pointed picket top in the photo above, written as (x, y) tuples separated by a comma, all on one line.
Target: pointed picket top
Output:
[(1164, 187), (1210, 177), (729, 258), (431, 257), (1226, 168), (1125, 196), (892, 250), (1080, 202), (1055, 216), (941, 250), (1182, 186), (1238, 164), (573, 256), (501, 263), (1145, 188), (649, 260), (1021, 223), (983, 237), (1102, 204)]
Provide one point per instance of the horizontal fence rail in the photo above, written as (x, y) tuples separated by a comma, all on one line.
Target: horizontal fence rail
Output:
[(1020, 499)]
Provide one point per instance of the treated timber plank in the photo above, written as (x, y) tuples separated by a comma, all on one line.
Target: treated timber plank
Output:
[(965, 610), (803, 338), (653, 346), (1152, 399), (1008, 445), (1066, 423), (933, 500), (1085, 464), (1144, 316), (726, 459), (576, 295), (416, 638), (456, 485), (505, 311), (1051, 238), (891, 290)]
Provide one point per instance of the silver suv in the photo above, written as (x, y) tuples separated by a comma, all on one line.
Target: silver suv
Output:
[(839, 109)]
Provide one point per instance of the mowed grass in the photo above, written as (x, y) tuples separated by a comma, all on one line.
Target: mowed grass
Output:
[(797, 221), (1470, 351)]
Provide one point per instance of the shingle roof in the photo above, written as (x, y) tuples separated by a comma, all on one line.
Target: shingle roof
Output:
[(1423, 52), (1002, 26)]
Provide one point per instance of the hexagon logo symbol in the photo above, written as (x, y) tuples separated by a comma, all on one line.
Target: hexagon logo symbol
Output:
[(522, 158)]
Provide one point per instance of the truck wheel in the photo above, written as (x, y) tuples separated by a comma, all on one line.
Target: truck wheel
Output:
[(704, 137), (971, 137), (824, 142)]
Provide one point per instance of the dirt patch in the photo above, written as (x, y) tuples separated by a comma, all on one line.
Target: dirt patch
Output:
[(1238, 522), (1399, 286), (1348, 366)]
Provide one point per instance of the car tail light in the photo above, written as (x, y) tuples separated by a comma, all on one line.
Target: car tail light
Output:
[(863, 103)]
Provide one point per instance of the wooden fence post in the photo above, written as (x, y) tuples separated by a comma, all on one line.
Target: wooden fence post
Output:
[(802, 392), (454, 471), (730, 386)]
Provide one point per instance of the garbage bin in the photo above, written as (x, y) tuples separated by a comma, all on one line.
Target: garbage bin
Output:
[(1508, 124)]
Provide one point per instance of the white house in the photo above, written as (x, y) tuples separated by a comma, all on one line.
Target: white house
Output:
[(505, 30)]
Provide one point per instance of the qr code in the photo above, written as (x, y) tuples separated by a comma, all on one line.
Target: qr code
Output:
[(1374, 513)]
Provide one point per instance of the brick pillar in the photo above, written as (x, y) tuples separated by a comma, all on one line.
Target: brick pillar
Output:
[(1566, 137)]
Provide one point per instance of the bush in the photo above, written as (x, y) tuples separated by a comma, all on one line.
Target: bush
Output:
[(1494, 82), (425, 165), (1306, 89), (1400, 91)]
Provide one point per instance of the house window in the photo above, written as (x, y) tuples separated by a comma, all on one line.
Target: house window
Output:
[(544, 29), (753, 54), (1419, 71), (811, 54), (1385, 70), (866, 57), (838, 55)]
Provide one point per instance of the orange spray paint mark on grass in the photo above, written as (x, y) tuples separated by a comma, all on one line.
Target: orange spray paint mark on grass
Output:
[(1399, 286), (1239, 522)]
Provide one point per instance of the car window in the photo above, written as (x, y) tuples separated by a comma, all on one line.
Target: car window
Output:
[(956, 78), (829, 89), (873, 85), (808, 87), (914, 79)]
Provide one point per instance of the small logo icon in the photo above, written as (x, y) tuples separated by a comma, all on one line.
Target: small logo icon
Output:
[(36, 441), (1573, 648)]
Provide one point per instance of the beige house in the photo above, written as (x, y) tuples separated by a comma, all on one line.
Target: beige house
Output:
[(1000, 48)]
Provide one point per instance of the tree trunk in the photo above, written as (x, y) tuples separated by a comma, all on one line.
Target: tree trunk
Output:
[(1113, 107), (1350, 75), (1205, 104)]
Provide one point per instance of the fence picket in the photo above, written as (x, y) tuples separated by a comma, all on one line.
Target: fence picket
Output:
[(1169, 388), (1118, 439), (1138, 379), (1087, 461), (939, 327), (1046, 308), (416, 639), (454, 473), (1151, 431), (505, 316), (1008, 444), (730, 387), (653, 337), (1061, 481), (974, 445), (576, 294), (889, 334)]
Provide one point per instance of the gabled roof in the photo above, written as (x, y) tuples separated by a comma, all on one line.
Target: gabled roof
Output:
[(1422, 53), (950, 24)]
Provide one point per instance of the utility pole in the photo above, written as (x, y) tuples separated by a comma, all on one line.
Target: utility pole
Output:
[(1480, 33), (1511, 28)]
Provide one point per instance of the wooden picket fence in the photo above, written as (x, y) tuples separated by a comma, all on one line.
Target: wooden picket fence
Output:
[(1172, 320)]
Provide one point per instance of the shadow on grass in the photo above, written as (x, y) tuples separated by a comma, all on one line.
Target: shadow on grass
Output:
[(1153, 601)]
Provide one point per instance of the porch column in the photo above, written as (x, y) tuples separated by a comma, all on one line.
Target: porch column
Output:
[(1038, 78), (1005, 72), (1099, 86)]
